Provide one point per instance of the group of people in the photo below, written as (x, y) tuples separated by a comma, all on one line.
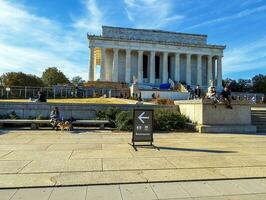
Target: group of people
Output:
[(223, 97)]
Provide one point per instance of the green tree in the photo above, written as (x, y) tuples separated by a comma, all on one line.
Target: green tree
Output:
[(245, 85), (77, 80), (259, 83), (232, 84), (20, 79), (242, 85), (52, 76)]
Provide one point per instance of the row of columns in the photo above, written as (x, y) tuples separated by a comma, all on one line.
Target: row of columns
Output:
[(114, 71)]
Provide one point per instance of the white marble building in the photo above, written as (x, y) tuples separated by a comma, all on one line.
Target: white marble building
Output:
[(153, 56)]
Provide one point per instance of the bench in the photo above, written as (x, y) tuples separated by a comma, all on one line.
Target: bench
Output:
[(36, 122)]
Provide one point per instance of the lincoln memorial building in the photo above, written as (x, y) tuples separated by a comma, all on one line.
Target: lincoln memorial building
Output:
[(153, 57)]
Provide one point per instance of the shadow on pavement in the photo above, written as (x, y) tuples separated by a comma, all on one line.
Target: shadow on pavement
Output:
[(194, 150)]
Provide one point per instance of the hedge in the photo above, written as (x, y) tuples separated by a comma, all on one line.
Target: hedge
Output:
[(124, 121), (167, 120), (109, 114), (164, 120)]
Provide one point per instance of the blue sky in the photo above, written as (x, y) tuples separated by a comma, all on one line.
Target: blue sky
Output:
[(36, 34)]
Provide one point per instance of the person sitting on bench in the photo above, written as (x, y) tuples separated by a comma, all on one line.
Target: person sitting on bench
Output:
[(55, 118)]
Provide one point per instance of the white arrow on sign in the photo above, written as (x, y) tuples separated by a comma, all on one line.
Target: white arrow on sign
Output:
[(141, 117)]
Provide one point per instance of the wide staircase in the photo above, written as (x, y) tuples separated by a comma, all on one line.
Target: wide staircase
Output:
[(258, 117)]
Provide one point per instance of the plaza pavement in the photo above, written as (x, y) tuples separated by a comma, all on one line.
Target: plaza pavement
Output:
[(244, 189), (89, 157)]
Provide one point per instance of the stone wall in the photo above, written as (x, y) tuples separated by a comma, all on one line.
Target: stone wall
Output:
[(219, 119), (153, 35), (67, 110)]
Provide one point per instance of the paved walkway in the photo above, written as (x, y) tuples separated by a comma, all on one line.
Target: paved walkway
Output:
[(249, 189), (47, 158)]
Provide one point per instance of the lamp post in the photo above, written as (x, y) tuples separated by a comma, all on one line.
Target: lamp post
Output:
[(7, 90)]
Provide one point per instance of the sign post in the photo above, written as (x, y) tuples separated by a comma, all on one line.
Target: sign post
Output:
[(142, 127)]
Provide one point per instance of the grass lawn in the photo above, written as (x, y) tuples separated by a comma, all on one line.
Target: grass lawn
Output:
[(81, 100)]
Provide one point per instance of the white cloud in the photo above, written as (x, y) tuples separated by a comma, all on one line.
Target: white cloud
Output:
[(14, 56), (30, 43), (93, 20), (239, 15), (247, 57), (151, 13), (250, 2)]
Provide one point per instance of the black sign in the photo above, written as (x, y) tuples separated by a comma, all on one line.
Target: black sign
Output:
[(143, 126)]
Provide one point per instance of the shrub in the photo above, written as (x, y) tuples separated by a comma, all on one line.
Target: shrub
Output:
[(5, 116), (31, 117), (164, 120), (109, 114), (167, 120), (100, 114), (124, 121), (13, 115)]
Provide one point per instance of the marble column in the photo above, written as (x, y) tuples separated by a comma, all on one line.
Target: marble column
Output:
[(140, 66), (177, 67), (209, 77), (128, 66), (219, 73), (92, 66), (188, 70), (152, 67), (199, 70), (103, 66), (165, 67), (115, 65)]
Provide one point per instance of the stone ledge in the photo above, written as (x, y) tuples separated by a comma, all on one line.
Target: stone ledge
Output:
[(208, 101), (227, 129)]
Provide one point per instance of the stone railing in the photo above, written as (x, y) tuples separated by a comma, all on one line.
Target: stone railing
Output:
[(67, 110)]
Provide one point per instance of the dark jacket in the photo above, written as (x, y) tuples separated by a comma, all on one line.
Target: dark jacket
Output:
[(42, 97), (197, 92), (225, 94)]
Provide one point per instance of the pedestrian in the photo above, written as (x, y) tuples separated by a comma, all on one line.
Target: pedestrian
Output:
[(139, 96), (197, 92)]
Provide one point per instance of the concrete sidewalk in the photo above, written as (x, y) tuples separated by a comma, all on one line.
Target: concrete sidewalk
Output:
[(48, 158), (209, 190)]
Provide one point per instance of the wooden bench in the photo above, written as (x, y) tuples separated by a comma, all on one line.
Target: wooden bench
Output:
[(36, 122)]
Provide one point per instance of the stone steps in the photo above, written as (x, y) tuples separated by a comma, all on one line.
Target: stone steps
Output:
[(258, 118)]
